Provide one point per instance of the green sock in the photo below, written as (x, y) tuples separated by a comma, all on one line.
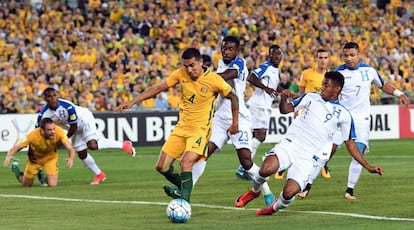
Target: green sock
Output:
[(15, 169), (173, 177), (186, 185), (42, 176)]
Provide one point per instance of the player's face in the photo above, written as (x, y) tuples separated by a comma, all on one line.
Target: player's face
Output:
[(194, 67), (329, 90), (351, 57), (51, 99), (322, 58), (275, 56), (49, 131), (229, 51)]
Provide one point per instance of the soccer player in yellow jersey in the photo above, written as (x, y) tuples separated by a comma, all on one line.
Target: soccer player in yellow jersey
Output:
[(188, 141), (44, 142)]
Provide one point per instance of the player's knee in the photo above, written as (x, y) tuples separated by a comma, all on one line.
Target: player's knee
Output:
[(82, 154), (92, 145)]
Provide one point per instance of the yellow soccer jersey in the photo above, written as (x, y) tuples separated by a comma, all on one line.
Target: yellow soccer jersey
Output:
[(311, 80), (43, 146), (198, 97)]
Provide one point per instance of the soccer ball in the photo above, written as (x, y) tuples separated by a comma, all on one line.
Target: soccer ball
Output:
[(178, 211)]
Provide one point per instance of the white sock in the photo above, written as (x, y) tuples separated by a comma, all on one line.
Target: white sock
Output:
[(258, 183), (254, 146), (104, 143), (315, 173), (282, 202), (198, 170), (355, 170), (90, 163)]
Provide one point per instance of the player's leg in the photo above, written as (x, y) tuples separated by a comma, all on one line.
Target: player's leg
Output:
[(89, 129), (16, 170), (50, 166), (30, 172), (355, 170)]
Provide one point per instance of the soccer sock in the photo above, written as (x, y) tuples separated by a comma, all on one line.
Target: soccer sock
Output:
[(15, 169), (254, 146), (355, 168), (282, 202), (198, 170), (90, 163), (186, 185), (253, 171), (42, 176), (315, 173), (258, 183), (104, 143), (173, 177)]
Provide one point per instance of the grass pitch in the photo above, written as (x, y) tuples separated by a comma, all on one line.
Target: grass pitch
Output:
[(132, 196)]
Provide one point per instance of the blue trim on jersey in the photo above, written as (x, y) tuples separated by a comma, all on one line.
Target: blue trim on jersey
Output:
[(361, 65), (296, 101), (239, 62), (68, 106), (352, 133), (262, 69)]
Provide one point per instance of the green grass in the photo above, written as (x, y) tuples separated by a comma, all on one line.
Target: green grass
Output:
[(132, 196)]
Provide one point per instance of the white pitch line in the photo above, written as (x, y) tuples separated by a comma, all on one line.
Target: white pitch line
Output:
[(204, 206)]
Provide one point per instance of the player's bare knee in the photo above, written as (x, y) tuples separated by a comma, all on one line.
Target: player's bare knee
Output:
[(82, 154), (92, 145)]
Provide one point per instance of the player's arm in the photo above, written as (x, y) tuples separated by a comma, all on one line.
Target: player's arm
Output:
[(16, 148), (234, 128), (254, 80), (69, 160), (72, 129), (149, 93), (357, 155), (284, 106), (228, 75), (391, 90)]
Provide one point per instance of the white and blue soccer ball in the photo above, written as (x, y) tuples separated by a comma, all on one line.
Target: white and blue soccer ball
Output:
[(178, 211)]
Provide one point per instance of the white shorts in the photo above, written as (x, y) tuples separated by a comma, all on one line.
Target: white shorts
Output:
[(86, 132), (260, 117), (297, 159), (240, 140)]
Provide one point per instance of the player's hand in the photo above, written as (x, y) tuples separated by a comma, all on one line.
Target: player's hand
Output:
[(286, 93), (69, 163), (233, 129), (7, 161), (271, 92), (376, 169), (123, 106), (404, 100)]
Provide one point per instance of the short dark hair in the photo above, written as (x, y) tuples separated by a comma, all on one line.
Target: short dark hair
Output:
[(45, 121), (233, 39), (336, 77), (48, 90), (274, 46), (351, 45), (191, 53), (322, 50)]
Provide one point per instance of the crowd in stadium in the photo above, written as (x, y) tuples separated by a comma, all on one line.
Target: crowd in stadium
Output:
[(103, 53)]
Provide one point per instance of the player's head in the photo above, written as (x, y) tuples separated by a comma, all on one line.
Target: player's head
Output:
[(230, 48), (322, 58), (47, 128), (275, 54), (351, 55), (332, 85), (51, 97), (193, 62)]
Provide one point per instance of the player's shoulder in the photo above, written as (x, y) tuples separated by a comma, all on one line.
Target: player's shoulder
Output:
[(66, 104)]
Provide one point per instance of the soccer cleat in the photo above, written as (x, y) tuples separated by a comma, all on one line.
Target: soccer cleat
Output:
[(242, 174), (269, 210), (173, 192), (245, 198), (269, 198), (128, 148), (349, 194), (99, 178), (325, 172), (305, 191), (279, 175)]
